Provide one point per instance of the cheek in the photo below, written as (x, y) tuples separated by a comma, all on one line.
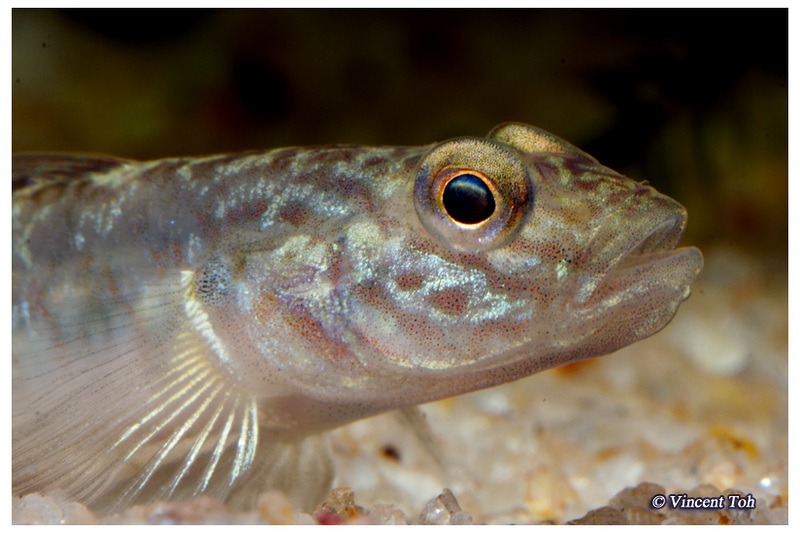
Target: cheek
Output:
[(438, 315)]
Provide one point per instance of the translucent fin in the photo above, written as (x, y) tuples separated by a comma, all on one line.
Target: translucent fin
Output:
[(533, 140), (414, 418), (43, 169), (301, 468), (124, 401)]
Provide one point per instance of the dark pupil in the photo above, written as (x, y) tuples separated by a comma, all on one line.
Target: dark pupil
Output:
[(468, 199)]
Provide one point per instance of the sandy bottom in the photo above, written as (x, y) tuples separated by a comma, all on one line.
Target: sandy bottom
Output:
[(698, 410)]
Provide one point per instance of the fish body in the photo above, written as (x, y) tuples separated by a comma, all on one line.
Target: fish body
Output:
[(194, 325)]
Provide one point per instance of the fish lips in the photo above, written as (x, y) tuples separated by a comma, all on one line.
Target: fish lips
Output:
[(643, 283)]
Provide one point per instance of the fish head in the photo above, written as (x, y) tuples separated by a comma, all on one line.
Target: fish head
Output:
[(523, 253), (461, 266)]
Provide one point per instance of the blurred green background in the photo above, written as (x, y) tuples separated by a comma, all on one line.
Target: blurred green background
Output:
[(692, 100)]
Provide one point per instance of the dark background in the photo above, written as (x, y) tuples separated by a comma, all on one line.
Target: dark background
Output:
[(693, 100)]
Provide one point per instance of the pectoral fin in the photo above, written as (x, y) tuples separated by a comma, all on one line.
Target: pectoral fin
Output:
[(126, 402)]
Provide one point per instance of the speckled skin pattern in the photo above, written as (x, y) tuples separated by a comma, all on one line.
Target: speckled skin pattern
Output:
[(189, 326)]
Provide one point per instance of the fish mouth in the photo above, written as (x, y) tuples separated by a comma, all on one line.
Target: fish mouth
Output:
[(642, 286), (653, 263)]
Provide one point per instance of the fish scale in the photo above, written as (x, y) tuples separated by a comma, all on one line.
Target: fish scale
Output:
[(194, 326)]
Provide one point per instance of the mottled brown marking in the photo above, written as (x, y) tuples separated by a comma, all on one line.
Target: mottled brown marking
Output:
[(340, 184), (374, 161), (475, 262), (335, 266), (99, 194), (177, 252), (332, 155), (49, 194), (422, 246), (548, 170), (294, 213), (450, 300), (155, 255), (550, 250), (166, 170), (311, 331), (577, 166), (408, 281), (208, 226), (617, 198), (357, 189), (37, 168), (281, 161), (315, 175), (248, 211), (112, 287), (516, 285), (264, 307), (371, 293), (586, 185)]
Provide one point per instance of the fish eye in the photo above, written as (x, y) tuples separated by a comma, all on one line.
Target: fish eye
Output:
[(468, 199), (472, 194)]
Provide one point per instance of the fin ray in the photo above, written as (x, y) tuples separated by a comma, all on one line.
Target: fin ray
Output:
[(140, 407)]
